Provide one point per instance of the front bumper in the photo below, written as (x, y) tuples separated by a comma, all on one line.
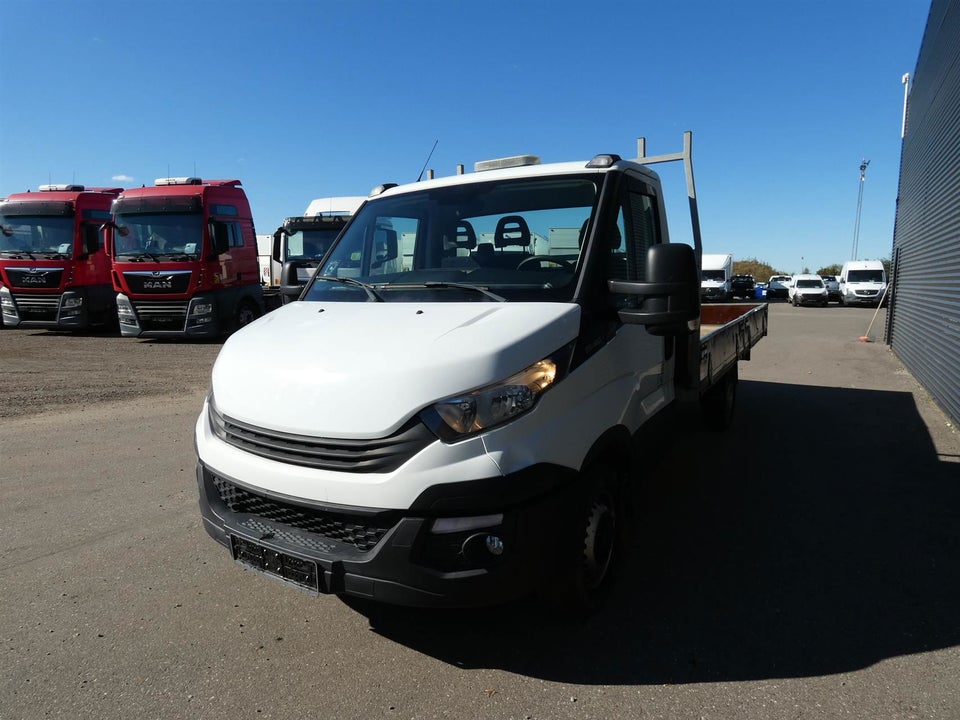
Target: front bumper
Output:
[(860, 299), (810, 299), (68, 310), (196, 317), (498, 539)]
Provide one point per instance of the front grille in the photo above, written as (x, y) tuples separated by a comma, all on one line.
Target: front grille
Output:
[(320, 530), (35, 277), (162, 315), (361, 456), (158, 281), (37, 307)]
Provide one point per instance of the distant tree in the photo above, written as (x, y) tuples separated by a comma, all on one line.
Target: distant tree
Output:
[(758, 268), (830, 270)]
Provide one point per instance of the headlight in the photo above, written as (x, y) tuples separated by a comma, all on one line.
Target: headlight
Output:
[(457, 417)]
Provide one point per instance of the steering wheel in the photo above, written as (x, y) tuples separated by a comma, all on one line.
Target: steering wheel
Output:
[(545, 258)]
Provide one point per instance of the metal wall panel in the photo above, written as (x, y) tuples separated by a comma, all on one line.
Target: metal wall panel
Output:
[(923, 326)]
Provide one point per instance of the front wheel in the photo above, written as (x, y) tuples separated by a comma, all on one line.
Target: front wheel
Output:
[(596, 544), (247, 311)]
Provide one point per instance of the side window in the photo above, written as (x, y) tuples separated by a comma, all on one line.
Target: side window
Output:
[(638, 228), (642, 226), (234, 234), (91, 238)]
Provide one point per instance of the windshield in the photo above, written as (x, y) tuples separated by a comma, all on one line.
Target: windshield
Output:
[(715, 275), (865, 276), (171, 236), (36, 236), (310, 244), (519, 238), (809, 284)]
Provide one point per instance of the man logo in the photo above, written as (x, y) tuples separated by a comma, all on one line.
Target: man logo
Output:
[(158, 284)]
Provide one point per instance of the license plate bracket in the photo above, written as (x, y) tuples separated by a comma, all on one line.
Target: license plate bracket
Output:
[(274, 563)]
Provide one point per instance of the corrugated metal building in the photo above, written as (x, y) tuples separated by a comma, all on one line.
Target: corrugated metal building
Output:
[(923, 323)]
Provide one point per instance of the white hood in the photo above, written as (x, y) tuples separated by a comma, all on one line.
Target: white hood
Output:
[(360, 370)]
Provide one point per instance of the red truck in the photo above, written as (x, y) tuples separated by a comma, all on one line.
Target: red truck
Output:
[(53, 270), (184, 259)]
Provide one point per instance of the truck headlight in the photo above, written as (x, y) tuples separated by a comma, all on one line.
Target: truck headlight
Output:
[(462, 415), (125, 312)]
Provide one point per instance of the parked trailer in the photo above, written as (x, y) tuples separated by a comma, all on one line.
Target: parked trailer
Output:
[(53, 270), (469, 430)]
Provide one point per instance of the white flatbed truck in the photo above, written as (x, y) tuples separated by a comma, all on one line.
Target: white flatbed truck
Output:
[(465, 427)]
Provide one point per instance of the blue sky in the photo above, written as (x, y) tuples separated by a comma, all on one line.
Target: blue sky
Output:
[(304, 99)]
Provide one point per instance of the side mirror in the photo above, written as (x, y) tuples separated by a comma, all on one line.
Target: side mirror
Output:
[(219, 238), (107, 237), (290, 285), (278, 236), (669, 302)]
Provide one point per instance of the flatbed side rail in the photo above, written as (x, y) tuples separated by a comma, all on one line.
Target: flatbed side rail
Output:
[(728, 332)]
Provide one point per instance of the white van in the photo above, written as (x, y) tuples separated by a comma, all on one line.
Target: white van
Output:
[(862, 282)]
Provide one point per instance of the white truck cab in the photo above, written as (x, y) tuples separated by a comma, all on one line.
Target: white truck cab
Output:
[(301, 241), (450, 418), (716, 277)]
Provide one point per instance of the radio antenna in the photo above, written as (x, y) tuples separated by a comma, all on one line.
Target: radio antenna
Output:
[(428, 159)]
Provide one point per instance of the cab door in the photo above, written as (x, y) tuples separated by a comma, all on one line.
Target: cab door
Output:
[(628, 223)]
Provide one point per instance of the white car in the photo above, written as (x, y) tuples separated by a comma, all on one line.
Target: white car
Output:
[(808, 290)]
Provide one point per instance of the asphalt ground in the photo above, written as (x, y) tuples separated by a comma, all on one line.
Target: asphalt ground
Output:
[(802, 564)]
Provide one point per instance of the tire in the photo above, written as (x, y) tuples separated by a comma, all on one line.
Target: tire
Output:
[(718, 403), (246, 312), (595, 545)]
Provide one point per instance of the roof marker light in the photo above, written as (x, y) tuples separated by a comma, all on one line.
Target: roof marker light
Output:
[(160, 182), (507, 162), (382, 188), (604, 160), (61, 188)]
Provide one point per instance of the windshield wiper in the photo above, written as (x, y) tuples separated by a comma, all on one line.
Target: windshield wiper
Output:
[(371, 293), (16, 253), (139, 256), (462, 286)]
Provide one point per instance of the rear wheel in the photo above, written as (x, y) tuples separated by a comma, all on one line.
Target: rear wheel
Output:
[(718, 403)]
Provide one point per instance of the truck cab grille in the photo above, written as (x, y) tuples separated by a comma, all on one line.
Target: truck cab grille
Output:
[(343, 455)]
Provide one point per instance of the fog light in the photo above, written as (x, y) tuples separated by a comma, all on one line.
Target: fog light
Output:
[(494, 545)]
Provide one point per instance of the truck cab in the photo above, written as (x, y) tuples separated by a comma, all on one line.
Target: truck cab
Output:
[(184, 256), (53, 270), (455, 413), (301, 242), (716, 276)]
